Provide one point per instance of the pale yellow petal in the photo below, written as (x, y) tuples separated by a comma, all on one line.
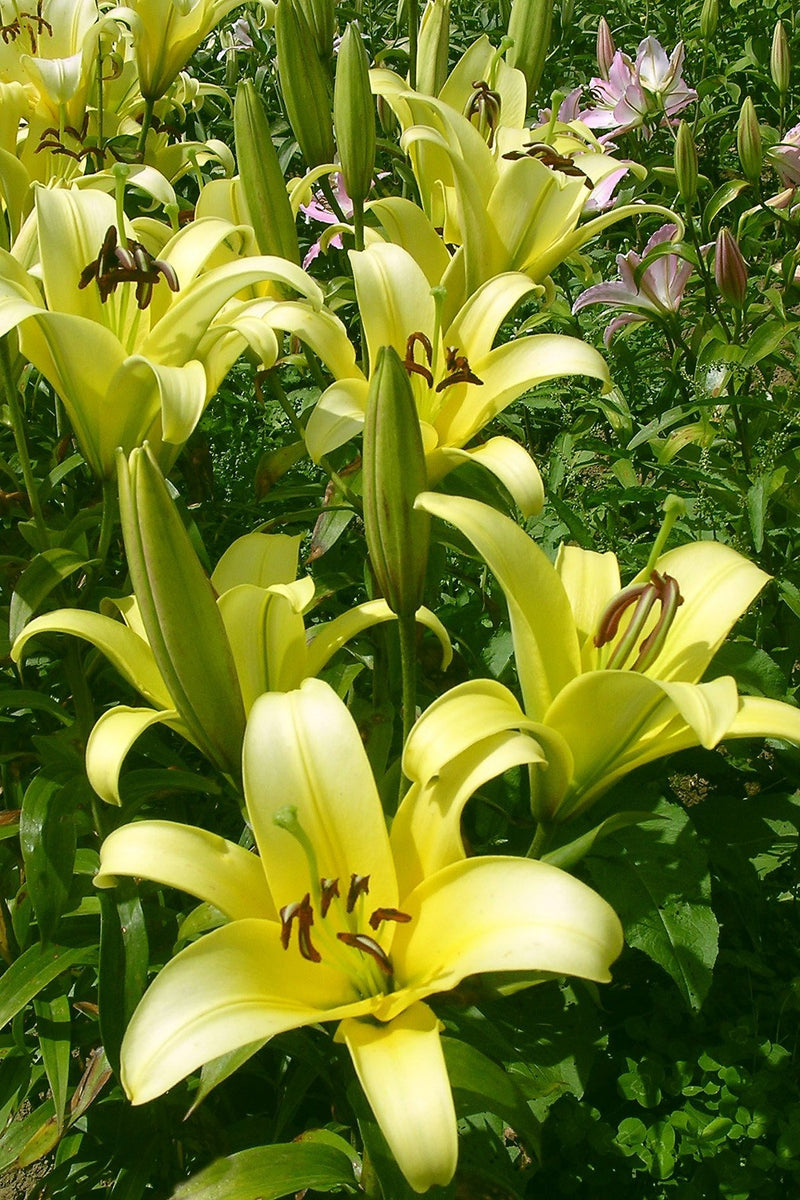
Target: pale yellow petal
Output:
[(590, 581), (759, 717), (258, 558), (401, 1068), (111, 739), (506, 459), (234, 986), (545, 640), (192, 860), (503, 914), (302, 750)]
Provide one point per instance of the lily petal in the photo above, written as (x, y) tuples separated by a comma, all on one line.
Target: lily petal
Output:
[(590, 581), (503, 914), (302, 750), (258, 558), (402, 1070), (325, 639), (426, 830), (192, 860), (545, 641), (338, 415), (111, 739), (506, 459), (234, 986), (760, 717)]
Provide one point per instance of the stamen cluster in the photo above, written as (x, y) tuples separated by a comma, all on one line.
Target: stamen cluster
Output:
[(130, 263), (662, 589)]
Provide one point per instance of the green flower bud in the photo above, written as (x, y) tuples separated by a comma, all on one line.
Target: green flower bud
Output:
[(321, 18), (748, 141), (305, 83), (686, 163), (394, 474), (434, 43), (709, 16), (354, 116), (270, 212), (530, 28), (179, 612), (605, 48), (780, 63), (730, 271)]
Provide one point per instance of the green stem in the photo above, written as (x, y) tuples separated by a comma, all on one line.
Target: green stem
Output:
[(540, 840), (18, 427), (108, 520), (277, 392), (147, 120), (407, 626), (358, 224), (330, 196), (413, 34)]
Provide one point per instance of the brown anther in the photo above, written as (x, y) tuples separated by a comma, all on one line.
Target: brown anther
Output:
[(459, 370), (367, 945), (133, 263), (359, 886), (328, 889), (302, 910), (409, 362), (550, 157), (618, 606), (388, 914), (661, 589)]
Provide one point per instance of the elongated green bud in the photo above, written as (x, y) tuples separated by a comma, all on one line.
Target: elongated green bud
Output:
[(434, 43), (709, 16), (179, 612), (529, 26), (605, 48), (321, 18), (354, 116), (748, 141), (780, 62), (730, 270), (305, 84), (262, 178), (394, 474), (686, 163)]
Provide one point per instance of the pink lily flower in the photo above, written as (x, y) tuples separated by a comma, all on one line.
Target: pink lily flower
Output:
[(635, 91), (785, 158), (658, 293), (318, 209)]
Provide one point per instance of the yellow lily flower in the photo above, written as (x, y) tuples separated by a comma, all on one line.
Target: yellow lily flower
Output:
[(50, 47), (610, 678), (460, 382), (502, 205), (201, 651), (166, 34), (134, 367), (321, 930)]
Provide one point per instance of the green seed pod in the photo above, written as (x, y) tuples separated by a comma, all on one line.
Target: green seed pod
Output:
[(748, 141), (262, 178), (434, 43), (530, 28), (179, 612), (305, 84), (709, 16), (394, 474), (354, 116), (780, 63), (686, 163)]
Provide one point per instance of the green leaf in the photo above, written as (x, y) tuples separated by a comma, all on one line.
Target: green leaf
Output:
[(23, 699), (37, 581), (270, 1172), (28, 1140), (572, 852), (124, 954), (657, 879), (53, 1028), (47, 840), (218, 1070), (32, 971), (480, 1085), (722, 197)]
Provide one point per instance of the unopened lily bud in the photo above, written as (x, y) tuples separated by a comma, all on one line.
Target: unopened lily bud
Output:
[(321, 18), (394, 474), (434, 43), (686, 163), (354, 116), (748, 141), (730, 271), (305, 84), (709, 16), (262, 179), (529, 26), (179, 612), (605, 48), (780, 63)]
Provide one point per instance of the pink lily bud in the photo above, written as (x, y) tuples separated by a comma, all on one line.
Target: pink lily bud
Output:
[(605, 48), (730, 270)]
